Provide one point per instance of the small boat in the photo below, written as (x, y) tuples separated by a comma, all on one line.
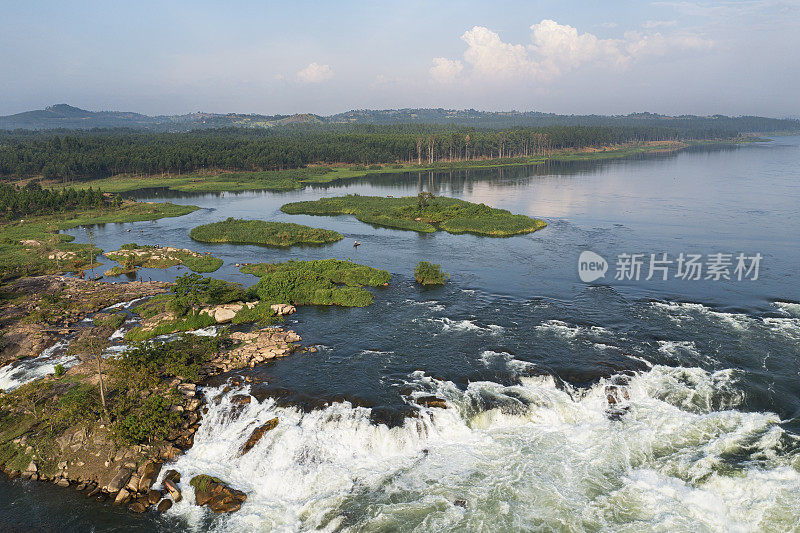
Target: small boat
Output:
[(356, 244)]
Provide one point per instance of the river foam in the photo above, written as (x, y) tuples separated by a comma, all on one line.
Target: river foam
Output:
[(537, 455)]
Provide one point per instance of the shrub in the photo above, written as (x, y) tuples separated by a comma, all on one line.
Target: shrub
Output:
[(430, 274), (59, 370)]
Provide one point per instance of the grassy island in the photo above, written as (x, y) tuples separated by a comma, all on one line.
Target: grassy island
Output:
[(33, 245), (424, 213), (279, 234), (320, 282), (133, 256)]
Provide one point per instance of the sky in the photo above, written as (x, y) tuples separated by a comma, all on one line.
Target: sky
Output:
[(606, 57)]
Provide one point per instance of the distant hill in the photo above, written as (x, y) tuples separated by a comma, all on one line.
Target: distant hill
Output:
[(63, 116)]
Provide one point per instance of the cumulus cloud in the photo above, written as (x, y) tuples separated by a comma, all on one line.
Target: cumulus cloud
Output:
[(445, 70), (554, 50), (650, 24), (315, 73)]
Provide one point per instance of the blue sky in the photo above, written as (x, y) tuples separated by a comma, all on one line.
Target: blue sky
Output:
[(732, 57)]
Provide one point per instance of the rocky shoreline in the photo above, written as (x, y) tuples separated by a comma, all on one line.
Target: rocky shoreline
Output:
[(87, 456)]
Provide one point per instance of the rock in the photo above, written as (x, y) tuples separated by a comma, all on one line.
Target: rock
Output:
[(241, 399), (63, 482), (172, 475), (216, 494), (460, 503), (123, 496), (153, 496), (283, 309), (119, 480), (138, 506), (133, 482), (14, 474), (150, 472), (432, 401), (164, 505), (173, 490), (32, 468), (257, 434)]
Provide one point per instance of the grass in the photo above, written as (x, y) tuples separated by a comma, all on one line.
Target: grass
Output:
[(425, 214), (189, 322), (320, 282), (281, 234), (132, 257), (43, 240)]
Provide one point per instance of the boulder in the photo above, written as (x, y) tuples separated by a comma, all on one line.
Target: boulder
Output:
[(216, 494), (172, 475), (241, 399), (139, 506), (123, 496), (257, 433), (153, 496), (164, 505), (432, 401), (283, 309), (119, 480), (150, 472), (173, 490)]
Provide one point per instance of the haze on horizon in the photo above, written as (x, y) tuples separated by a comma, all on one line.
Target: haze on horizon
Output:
[(616, 57)]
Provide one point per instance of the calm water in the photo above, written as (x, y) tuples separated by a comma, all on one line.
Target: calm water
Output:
[(523, 352)]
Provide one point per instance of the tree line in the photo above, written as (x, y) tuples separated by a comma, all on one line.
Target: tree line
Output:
[(32, 199), (76, 155)]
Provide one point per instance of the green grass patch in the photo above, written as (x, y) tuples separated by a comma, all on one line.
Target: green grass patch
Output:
[(189, 322), (320, 282), (235, 231), (423, 213)]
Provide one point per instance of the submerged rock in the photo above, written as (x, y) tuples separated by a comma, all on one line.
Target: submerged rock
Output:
[(432, 401), (173, 490)]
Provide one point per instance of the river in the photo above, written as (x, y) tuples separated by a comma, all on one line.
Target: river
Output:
[(704, 373)]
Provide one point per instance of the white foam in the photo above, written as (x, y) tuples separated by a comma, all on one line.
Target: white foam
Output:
[(569, 331), (27, 370), (449, 324), (790, 308), (531, 456)]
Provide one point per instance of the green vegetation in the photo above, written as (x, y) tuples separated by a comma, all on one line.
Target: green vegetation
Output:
[(91, 155), (34, 246), (31, 200), (430, 274), (59, 370), (133, 256), (424, 213), (110, 321), (235, 231), (182, 306), (321, 282), (202, 482)]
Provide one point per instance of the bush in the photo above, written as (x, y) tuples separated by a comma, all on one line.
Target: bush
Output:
[(138, 421), (430, 274), (374, 167), (59, 370)]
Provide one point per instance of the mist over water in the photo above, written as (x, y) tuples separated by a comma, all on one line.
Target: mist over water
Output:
[(704, 374)]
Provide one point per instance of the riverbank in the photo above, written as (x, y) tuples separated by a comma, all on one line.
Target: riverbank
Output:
[(291, 179), (105, 424), (34, 245)]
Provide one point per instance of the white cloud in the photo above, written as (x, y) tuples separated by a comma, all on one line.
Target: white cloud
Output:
[(315, 73), (554, 50), (650, 24), (445, 70)]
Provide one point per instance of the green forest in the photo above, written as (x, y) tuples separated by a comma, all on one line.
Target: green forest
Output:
[(16, 202), (68, 156)]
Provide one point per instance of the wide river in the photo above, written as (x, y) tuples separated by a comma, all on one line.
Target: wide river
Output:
[(704, 432)]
